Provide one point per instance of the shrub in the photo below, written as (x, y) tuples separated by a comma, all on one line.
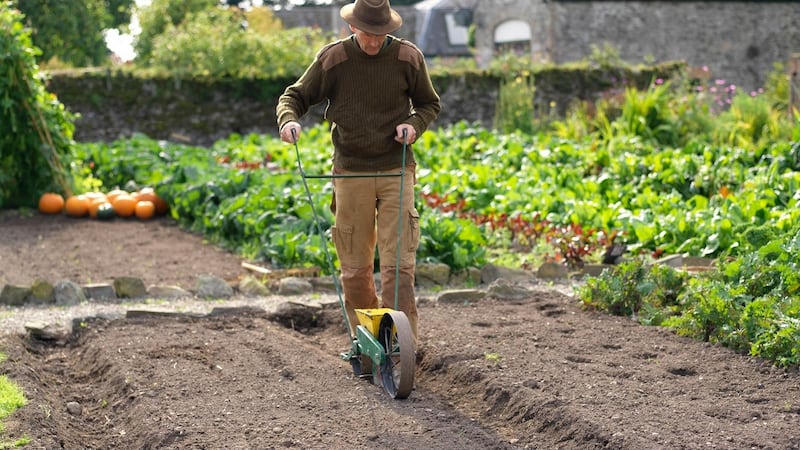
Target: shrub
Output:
[(35, 129)]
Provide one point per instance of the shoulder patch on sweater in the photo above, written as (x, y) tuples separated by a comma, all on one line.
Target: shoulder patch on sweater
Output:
[(410, 54), (332, 54)]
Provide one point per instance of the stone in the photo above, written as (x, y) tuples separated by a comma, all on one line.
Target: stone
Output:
[(247, 311), (595, 270), (14, 295), (211, 287), (99, 291), (460, 296), (129, 287), (470, 276), (149, 313), (168, 292), (68, 293), (504, 290), (44, 332), (491, 273), (43, 291), (294, 286), (74, 408), (325, 283), (251, 287), (552, 270), (432, 274)]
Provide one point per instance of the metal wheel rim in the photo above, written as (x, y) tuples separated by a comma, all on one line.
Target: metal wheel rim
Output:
[(399, 366)]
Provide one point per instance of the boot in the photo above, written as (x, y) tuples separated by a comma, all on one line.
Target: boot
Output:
[(359, 293)]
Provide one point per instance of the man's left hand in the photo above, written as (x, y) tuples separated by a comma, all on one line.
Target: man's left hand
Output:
[(411, 133)]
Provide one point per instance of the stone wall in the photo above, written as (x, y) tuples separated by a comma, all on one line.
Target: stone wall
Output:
[(738, 41)]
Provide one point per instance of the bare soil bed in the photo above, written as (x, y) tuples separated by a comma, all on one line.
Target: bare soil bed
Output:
[(495, 374)]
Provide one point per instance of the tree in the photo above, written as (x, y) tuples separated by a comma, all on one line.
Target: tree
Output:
[(160, 14), (71, 31), (35, 129)]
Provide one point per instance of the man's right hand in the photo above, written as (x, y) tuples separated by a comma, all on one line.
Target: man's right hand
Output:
[(286, 132)]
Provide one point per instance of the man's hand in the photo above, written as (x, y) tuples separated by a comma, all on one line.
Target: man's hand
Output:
[(411, 133), (286, 132)]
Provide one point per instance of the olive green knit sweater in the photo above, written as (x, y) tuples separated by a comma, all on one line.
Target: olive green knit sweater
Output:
[(368, 96)]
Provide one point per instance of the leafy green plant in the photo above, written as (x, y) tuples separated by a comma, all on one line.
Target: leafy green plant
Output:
[(514, 111), (35, 129)]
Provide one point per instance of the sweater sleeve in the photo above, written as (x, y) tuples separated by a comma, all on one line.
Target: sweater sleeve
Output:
[(425, 104), (299, 97)]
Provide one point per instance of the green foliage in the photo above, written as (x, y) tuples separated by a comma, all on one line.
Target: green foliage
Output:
[(158, 16), (71, 31), (259, 210), (201, 39), (752, 120), (11, 399), (35, 129), (456, 242), (647, 114), (213, 44), (605, 57), (648, 293), (514, 110)]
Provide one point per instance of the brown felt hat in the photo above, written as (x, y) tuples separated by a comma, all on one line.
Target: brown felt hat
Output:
[(372, 16)]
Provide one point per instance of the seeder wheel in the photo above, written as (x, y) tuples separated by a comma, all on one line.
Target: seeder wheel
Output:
[(397, 371)]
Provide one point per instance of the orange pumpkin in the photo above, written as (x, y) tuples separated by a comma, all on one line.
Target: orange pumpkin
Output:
[(114, 193), (149, 194), (145, 209), (95, 195), (77, 206), (125, 205), (51, 203)]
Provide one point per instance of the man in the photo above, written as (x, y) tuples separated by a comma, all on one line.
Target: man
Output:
[(378, 94)]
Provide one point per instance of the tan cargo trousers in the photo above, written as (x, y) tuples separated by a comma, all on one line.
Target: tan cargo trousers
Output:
[(366, 210)]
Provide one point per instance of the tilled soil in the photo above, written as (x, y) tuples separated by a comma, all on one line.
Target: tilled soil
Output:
[(532, 373)]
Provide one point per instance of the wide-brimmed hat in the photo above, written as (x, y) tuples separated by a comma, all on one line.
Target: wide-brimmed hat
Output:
[(372, 16)]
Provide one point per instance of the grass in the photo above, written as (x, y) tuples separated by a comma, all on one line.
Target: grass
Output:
[(11, 399)]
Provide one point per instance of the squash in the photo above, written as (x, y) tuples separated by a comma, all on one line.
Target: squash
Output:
[(149, 194), (146, 193), (105, 211), (51, 203), (114, 193), (94, 196), (145, 209), (125, 205), (77, 206), (161, 206), (94, 204)]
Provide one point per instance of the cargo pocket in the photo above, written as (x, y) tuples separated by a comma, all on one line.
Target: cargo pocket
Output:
[(343, 240), (412, 236)]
